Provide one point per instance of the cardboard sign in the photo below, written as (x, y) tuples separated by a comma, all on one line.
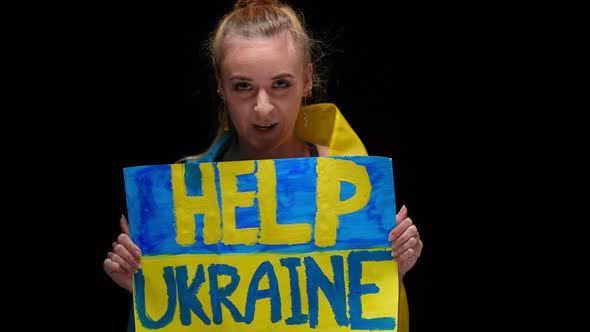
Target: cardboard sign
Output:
[(264, 245)]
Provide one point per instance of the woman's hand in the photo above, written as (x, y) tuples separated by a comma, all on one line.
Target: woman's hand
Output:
[(406, 245), (123, 261)]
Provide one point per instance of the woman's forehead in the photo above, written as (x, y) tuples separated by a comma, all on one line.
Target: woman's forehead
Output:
[(283, 41), (279, 51)]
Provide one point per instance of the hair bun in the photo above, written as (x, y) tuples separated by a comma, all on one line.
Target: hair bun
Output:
[(246, 3)]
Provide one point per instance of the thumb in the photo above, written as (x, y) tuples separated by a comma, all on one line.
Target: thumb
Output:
[(401, 215), (124, 224)]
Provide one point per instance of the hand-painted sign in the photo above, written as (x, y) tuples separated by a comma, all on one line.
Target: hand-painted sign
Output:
[(286, 244)]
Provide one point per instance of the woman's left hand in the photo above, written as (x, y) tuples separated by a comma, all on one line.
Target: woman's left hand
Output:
[(406, 245)]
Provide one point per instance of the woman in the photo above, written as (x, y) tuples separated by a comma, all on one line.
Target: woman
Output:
[(262, 56)]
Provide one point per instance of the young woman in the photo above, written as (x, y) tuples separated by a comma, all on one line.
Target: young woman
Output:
[(263, 59)]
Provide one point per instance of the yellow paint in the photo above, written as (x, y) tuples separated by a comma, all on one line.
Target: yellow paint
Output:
[(383, 304), (232, 198), (185, 207), (331, 173), (270, 231)]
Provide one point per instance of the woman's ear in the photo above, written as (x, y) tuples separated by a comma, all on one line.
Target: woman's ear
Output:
[(308, 81), (219, 87)]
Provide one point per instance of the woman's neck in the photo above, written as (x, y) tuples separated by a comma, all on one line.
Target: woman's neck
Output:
[(293, 149)]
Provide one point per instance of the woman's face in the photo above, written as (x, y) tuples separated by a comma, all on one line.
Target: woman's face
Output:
[(263, 81)]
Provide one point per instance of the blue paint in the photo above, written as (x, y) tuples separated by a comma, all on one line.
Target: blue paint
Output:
[(248, 182), (301, 187), (144, 318), (187, 295), (150, 207), (335, 292), (255, 294), (356, 290), (199, 226), (297, 317), (248, 217), (219, 295), (192, 178), (347, 190)]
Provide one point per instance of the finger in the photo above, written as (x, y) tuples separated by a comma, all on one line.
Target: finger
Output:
[(399, 218), (418, 247), (411, 243), (124, 225), (126, 266), (123, 265), (414, 245), (115, 264), (109, 265), (126, 241), (408, 254), (398, 230), (125, 256), (418, 251), (401, 215), (406, 231)]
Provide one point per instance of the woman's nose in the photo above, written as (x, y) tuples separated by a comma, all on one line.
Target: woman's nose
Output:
[(263, 104)]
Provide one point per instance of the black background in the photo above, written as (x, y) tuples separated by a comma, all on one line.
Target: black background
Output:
[(480, 108)]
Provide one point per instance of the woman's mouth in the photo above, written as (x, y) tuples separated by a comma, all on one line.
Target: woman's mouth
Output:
[(264, 126)]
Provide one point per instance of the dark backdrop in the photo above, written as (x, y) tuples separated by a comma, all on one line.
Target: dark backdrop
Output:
[(476, 105)]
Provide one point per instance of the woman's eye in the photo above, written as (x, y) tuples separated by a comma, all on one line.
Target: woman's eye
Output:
[(282, 84), (242, 86)]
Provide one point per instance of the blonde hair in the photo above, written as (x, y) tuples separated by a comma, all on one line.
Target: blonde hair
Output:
[(257, 18)]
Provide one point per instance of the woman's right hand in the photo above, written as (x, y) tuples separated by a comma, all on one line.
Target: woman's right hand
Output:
[(123, 261)]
